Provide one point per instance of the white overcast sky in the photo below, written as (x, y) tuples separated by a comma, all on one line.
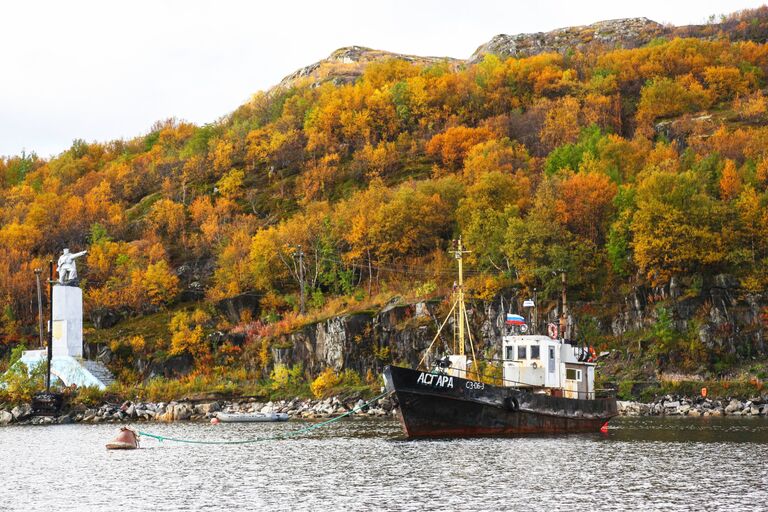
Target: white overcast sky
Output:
[(104, 70)]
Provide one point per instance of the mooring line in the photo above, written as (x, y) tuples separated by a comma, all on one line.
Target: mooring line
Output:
[(285, 435)]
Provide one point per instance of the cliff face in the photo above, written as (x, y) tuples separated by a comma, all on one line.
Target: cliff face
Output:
[(721, 316), (623, 33), (367, 341)]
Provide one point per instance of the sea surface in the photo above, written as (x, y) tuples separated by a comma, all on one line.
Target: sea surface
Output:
[(365, 464)]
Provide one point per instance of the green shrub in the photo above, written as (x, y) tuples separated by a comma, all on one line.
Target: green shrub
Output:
[(624, 391), (19, 383)]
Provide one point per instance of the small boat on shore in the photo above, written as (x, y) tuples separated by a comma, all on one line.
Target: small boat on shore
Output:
[(126, 439), (252, 417)]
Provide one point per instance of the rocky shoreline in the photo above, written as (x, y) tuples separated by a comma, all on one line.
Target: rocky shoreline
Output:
[(200, 411), (308, 409), (671, 405)]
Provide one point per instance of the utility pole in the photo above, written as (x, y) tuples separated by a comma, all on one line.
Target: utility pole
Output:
[(50, 327), (564, 311), (535, 311), (39, 271)]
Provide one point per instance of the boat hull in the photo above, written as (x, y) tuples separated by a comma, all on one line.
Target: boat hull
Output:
[(438, 405), (251, 417)]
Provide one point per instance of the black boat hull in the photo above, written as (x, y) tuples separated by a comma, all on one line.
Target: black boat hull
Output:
[(437, 405)]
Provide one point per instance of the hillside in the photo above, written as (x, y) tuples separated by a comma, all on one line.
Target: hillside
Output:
[(638, 167)]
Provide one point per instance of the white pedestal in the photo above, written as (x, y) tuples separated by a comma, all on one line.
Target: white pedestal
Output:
[(67, 321)]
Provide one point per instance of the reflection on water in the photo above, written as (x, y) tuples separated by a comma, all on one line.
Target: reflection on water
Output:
[(642, 463)]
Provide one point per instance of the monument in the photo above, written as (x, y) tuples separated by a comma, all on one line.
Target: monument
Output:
[(66, 329), (68, 308)]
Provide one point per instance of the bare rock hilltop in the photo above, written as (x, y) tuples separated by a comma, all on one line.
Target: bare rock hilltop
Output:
[(624, 33), (345, 65)]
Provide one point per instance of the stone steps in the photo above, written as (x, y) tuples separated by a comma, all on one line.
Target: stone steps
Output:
[(99, 371)]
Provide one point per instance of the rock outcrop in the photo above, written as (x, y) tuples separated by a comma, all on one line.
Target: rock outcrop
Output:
[(622, 33), (346, 65), (725, 317)]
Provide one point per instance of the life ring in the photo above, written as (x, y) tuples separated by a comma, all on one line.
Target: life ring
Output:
[(592, 355), (552, 330), (511, 404)]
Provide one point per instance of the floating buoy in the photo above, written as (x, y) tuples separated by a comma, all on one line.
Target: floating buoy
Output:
[(604, 428), (215, 421), (126, 439), (704, 392)]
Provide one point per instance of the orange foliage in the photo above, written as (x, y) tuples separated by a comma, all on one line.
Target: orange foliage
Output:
[(585, 204), (451, 146)]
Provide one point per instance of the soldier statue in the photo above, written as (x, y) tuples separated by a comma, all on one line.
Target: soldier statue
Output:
[(67, 267)]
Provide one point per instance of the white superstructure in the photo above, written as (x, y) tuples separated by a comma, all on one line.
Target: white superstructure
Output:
[(546, 363)]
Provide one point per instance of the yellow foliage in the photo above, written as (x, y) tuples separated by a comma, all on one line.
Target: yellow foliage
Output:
[(160, 284), (328, 379), (231, 184)]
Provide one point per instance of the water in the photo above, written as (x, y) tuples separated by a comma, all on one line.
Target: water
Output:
[(642, 463)]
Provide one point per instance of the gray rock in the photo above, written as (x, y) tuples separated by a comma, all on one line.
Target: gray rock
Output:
[(672, 405), (21, 412), (5, 417), (733, 406), (683, 409), (182, 412), (207, 408)]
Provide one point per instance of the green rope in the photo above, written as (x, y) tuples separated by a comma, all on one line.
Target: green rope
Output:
[(285, 435)]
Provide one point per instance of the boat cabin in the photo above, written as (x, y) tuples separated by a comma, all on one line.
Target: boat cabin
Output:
[(547, 364)]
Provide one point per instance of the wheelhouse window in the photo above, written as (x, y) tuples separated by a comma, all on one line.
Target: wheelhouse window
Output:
[(510, 352), (573, 374), (522, 352), (535, 352)]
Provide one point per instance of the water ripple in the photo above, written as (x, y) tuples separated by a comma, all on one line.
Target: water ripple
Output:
[(642, 463)]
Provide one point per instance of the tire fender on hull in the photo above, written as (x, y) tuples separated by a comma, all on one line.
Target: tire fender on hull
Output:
[(511, 404)]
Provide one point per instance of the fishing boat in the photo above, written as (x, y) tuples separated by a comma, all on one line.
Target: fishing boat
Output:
[(252, 417), (547, 385)]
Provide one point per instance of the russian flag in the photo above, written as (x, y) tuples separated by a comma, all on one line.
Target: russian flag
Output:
[(515, 319)]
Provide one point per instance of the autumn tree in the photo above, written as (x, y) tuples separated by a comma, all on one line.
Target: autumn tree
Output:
[(450, 147), (676, 226)]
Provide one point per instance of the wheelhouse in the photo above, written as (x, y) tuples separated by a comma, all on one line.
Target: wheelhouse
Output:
[(548, 365)]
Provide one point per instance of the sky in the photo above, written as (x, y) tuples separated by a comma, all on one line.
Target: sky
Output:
[(105, 70)]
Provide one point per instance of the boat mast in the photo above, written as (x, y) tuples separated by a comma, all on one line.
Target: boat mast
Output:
[(458, 253)]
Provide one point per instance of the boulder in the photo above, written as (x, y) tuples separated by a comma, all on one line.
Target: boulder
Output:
[(208, 408), (733, 406), (21, 412), (182, 412), (64, 420), (5, 417)]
